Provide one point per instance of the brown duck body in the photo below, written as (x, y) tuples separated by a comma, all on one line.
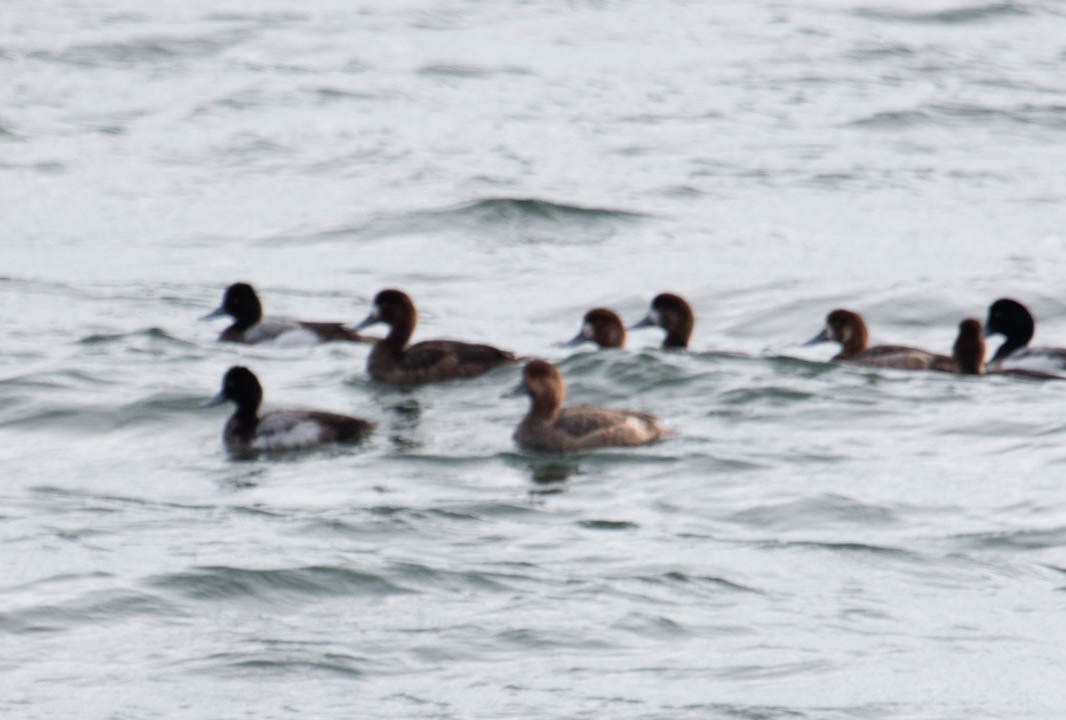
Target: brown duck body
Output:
[(552, 428), (432, 360), (392, 361), (849, 329)]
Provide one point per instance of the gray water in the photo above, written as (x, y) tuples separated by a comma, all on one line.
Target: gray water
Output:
[(815, 541)]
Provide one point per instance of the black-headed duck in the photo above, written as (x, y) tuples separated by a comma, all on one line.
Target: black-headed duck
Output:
[(849, 329), (242, 304), (603, 327), (550, 427), (673, 314), (392, 361), (247, 432), (1013, 320)]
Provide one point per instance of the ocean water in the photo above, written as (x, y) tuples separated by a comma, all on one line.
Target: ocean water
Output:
[(814, 541)]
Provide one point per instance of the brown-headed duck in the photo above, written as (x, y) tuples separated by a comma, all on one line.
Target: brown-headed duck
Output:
[(968, 353), (849, 329), (247, 432), (392, 361), (242, 304), (603, 327), (673, 314), (550, 427), (1013, 320)]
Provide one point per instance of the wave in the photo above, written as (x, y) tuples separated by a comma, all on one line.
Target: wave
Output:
[(814, 512), (952, 16), (220, 582), (530, 214), (151, 333), (140, 50), (93, 608), (468, 71), (1046, 115)]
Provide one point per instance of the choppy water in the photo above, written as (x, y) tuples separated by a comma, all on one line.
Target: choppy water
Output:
[(815, 542)]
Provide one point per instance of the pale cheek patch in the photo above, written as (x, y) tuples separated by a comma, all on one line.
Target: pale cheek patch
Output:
[(587, 332)]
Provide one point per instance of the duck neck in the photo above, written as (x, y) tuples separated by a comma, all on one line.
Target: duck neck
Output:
[(544, 407), (855, 342), (677, 339), (1012, 344), (245, 420), (249, 316), (969, 355), (399, 334)]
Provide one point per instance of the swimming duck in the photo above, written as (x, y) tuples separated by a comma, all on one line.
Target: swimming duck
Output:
[(246, 432), (550, 427), (673, 314), (1013, 320), (849, 329), (603, 327), (242, 304), (968, 353), (392, 361)]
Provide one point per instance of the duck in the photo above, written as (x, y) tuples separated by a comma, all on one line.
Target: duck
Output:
[(603, 327), (968, 352), (241, 302), (549, 427), (672, 313), (392, 361), (248, 432), (849, 329), (1013, 320)]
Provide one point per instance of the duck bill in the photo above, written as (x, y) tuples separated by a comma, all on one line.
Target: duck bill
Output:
[(517, 391), (578, 339), (370, 319), (821, 337), (648, 321), (989, 332), (216, 400), (216, 313)]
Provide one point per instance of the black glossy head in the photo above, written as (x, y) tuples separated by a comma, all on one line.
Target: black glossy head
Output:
[(241, 303), (1012, 320), (240, 386)]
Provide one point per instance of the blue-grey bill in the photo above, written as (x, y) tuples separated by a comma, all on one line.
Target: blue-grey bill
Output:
[(821, 337), (369, 320), (517, 391), (217, 312), (576, 340), (648, 321), (216, 400)]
